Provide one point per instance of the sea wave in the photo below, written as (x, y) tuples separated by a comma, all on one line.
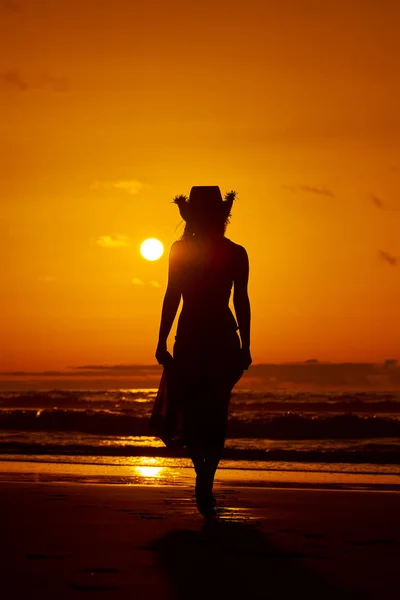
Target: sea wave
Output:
[(296, 426), (242, 400), (388, 454)]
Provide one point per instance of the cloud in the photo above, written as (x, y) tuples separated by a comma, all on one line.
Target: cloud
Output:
[(118, 241), (131, 186), (137, 281), (309, 189), (377, 201), (111, 368), (14, 80), (315, 190), (47, 279), (391, 260), (379, 204)]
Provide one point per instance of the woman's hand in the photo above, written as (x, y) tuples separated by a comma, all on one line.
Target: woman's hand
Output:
[(162, 354), (246, 358)]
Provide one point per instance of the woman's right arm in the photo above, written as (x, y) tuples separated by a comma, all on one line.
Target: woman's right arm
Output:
[(171, 302), (241, 303)]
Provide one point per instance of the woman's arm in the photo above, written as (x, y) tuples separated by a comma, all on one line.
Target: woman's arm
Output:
[(170, 304), (241, 303)]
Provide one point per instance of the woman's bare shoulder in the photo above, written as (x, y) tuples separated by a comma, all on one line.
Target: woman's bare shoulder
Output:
[(177, 247), (180, 250), (236, 249)]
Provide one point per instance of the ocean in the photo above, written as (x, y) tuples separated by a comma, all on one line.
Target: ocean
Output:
[(348, 432)]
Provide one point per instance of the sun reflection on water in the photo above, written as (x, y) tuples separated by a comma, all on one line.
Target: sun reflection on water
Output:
[(152, 469), (149, 471)]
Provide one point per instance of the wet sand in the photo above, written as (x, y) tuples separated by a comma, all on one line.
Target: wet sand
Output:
[(74, 540)]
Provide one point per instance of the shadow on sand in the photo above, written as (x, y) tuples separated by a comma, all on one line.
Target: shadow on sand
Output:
[(235, 560)]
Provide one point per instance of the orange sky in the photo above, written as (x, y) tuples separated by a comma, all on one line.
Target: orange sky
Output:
[(111, 107)]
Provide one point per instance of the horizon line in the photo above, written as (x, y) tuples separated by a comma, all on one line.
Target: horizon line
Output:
[(96, 370)]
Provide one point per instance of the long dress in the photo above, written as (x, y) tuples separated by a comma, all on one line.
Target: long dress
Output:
[(207, 346)]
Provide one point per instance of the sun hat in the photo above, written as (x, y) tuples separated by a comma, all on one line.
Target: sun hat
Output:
[(205, 199)]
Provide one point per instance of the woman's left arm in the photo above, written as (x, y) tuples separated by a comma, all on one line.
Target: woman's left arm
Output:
[(171, 302)]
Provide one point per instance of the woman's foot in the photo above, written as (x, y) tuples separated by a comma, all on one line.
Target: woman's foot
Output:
[(206, 505), (205, 499)]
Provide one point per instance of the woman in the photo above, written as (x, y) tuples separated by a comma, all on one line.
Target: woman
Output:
[(209, 357)]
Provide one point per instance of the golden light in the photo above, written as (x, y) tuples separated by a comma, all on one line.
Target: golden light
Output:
[(149, 471), (151, 249)]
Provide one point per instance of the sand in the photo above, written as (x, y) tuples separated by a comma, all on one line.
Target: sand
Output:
[(78, 540)]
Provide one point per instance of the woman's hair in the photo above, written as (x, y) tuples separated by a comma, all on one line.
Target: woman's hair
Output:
[(205, 211)]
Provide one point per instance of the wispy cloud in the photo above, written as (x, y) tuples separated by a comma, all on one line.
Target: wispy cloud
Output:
[(131, 186), (118, 241), (376, 201), (126, 367), (14, 80), (391, 260), (137, 281), (310, 189), (380, 204), (87, 371), (317, 190)]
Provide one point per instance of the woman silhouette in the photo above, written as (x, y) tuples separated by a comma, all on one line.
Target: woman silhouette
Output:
[(209, 357)]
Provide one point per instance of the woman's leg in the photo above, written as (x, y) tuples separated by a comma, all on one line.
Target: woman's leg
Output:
[(192, 427), (188, 398), (225, 372), (214, 440)]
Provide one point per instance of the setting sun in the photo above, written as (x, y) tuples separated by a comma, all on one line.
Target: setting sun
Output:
[(151, 249)]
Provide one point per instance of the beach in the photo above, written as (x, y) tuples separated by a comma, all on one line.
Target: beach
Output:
[(106, 537), (93, 506)]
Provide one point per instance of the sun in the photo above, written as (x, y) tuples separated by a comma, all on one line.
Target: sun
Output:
[(151, 249)]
